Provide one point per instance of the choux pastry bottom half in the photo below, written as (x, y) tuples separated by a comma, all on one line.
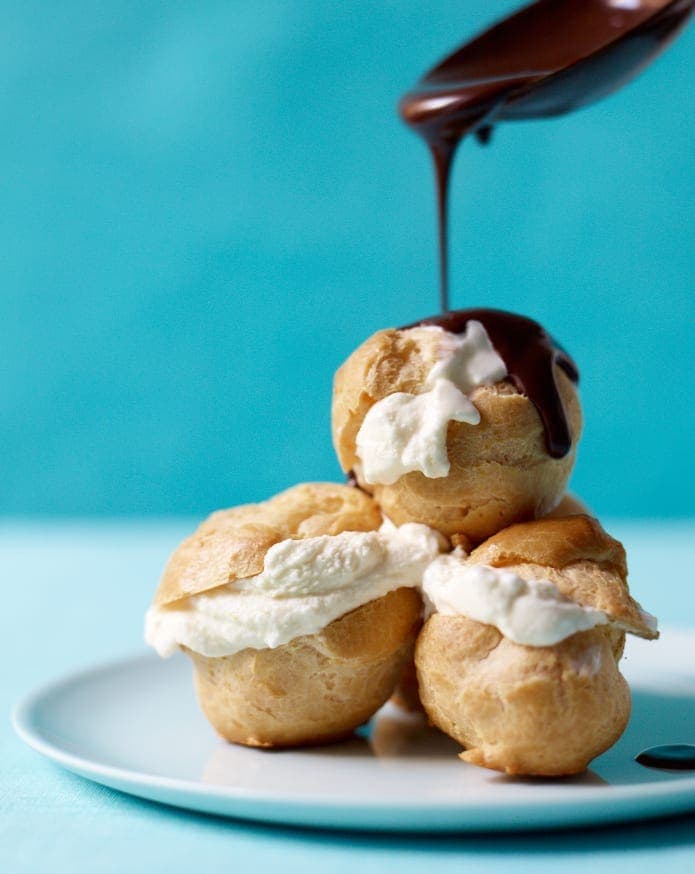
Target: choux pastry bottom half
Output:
[(318, 687)]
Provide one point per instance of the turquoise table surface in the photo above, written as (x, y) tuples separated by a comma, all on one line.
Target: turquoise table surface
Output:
[(75, 594)]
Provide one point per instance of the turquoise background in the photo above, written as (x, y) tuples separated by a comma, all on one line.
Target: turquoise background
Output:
[(206, 206)]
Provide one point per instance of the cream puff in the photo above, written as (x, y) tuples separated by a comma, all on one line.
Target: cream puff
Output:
[(298, 613), (406, 695), (466, 423), (518, 660)]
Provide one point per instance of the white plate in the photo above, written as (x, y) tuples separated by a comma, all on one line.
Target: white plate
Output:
[(134, 725)]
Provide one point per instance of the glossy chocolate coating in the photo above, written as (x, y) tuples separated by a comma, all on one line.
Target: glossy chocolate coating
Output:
[(549, 58), (530, 355)]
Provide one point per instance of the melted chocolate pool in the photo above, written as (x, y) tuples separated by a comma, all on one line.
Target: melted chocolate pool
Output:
[(672, 757), (530, 355)]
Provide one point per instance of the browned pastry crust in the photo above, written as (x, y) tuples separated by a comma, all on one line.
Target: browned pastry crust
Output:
[(500, 470), (523, 710), (553, 543), (317, 688), (536, 710), (406, 695), (231, 544)]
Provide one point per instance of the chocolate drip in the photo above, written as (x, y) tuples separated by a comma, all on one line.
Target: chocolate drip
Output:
[(549, 58), (672, 757), (530, 355), (351, 480)]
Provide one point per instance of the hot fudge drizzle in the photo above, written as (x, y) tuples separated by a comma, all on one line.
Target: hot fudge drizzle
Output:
[(530, 355)]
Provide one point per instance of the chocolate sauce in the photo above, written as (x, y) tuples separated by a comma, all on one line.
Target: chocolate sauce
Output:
[(530, 355), (549, 58), (673, 757), (351, 480)]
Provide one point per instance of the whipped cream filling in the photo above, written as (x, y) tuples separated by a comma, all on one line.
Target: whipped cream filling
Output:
[(530, 612), (405, 432), (304, 586)]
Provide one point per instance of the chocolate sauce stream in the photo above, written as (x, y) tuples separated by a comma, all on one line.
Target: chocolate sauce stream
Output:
[(530, 355), (443, 154), (547, 59)]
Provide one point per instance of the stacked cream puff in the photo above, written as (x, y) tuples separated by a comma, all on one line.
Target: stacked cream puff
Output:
[(301, 614), (298, 613)]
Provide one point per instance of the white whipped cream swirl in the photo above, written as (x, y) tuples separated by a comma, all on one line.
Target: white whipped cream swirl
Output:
[(304, 586), (406, 432), (530, 612)]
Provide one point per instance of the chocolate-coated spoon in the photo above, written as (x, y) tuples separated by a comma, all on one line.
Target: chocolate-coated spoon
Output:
[(548, 58)]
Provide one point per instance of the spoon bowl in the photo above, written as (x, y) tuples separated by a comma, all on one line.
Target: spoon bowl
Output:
[(549, 58)]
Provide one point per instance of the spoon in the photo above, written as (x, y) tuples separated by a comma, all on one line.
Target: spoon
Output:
[(547, 59)]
